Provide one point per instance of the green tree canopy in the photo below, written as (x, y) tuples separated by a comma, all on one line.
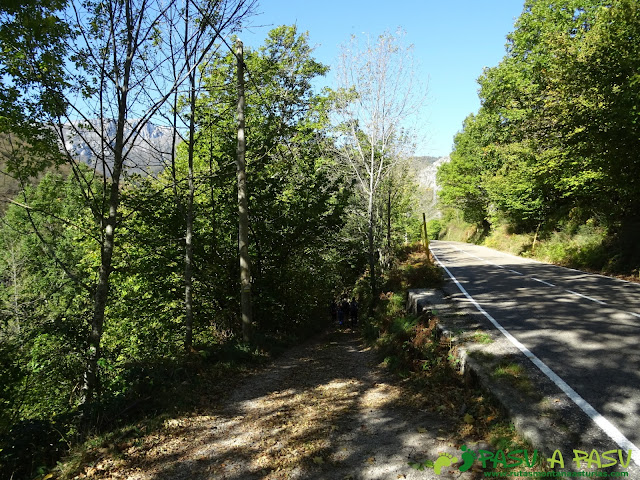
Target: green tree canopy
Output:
[(559, 120)]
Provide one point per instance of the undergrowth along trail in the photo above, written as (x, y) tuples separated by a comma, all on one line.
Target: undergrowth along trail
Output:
[(373, 404)]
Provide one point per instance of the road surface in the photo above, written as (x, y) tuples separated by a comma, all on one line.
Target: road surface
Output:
[(581, 330)]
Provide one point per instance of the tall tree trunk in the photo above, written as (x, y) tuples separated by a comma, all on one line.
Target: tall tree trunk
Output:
[(370, 227), (243, 208), (188, 255), (372, 253), (101, 296), (212, 195), (389, 222), (188, 247)]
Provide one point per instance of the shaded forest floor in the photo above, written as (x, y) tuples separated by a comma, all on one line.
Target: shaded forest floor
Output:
[(324, 410)]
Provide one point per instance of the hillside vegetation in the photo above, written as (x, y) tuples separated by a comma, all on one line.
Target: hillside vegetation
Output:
[(120, 293), (549, 166), (10, 184)]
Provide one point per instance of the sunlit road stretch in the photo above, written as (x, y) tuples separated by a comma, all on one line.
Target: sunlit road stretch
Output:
[(582, 328)]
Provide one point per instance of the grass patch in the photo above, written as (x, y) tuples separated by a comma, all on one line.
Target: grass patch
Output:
[(507, 369), (582, 247), (514, 374), (503, 239), (481, 337), (504, 437), (455, 229), (414, 269)]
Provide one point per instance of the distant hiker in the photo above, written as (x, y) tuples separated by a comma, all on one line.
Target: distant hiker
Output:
[(333, 310), (353, 312), (340, 314), (344, 308)]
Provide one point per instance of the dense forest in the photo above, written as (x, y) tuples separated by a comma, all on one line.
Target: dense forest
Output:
[(120, 285), (552, 154), (114, 284)]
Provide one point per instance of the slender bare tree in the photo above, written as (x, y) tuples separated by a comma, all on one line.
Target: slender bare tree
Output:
[(377, 98)]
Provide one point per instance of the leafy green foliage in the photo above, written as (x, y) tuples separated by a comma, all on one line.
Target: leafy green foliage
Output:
[(32, 76), (300, 257), (296, 205), (433, 229), (558, 128), (305, 247), (43, 319)]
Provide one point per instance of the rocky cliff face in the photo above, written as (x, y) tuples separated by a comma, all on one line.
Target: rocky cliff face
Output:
[(426, 168), (149, 153)]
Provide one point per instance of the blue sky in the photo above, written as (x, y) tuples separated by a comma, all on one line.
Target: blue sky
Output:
[(453, 40)]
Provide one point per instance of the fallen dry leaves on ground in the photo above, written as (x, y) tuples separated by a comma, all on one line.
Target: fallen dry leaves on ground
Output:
[(325, 410)]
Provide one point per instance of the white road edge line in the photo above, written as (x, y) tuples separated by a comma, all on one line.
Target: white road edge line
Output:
[(584, 296), (542, 281), (533, 278), (608, 428)]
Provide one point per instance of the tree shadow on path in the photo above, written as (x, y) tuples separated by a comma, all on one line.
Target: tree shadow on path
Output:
[(324, 410)]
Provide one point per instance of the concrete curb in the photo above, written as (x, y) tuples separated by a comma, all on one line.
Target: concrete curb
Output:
[(542, 414)]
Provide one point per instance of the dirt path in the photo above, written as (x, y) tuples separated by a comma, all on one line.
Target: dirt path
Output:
[(324, 410)]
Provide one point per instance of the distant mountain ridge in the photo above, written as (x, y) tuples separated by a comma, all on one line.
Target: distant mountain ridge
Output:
[(149, 153), (426, 169)]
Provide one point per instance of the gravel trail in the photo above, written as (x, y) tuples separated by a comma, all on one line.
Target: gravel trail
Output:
[(324, 410)]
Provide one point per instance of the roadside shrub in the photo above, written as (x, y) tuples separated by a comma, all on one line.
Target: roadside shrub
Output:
[(420, 272), (434, 228), (502, 238)]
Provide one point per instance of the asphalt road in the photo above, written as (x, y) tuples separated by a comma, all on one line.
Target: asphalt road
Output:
[(581, 330)]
